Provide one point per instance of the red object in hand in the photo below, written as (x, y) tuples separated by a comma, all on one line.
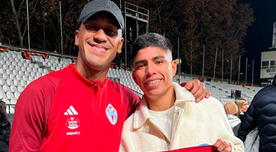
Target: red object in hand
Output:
[(208, 148), (183, 84)]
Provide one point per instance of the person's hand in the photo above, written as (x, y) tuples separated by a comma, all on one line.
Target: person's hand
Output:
[(197, 89), (223, 146)]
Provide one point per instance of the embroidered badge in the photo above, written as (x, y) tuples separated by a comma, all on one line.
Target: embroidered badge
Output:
[(73, 123), (111, 114)]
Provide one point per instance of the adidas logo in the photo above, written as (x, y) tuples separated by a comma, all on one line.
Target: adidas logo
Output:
[(71, 111)]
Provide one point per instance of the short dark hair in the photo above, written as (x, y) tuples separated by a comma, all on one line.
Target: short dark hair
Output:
[(151, 39)]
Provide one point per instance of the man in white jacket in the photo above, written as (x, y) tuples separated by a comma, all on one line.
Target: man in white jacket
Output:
[(167, 118)]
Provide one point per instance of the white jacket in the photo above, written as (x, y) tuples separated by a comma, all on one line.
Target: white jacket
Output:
[(194, 124)]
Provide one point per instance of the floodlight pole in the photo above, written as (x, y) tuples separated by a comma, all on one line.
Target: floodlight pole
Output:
[(246, 64), (125, 35), (239, 68), (203, 60), (28, 25), (60, 23), (231, 66), (191, 58), (214, 72), (252, 73), (222, 64), (179, 60), (44, 34)]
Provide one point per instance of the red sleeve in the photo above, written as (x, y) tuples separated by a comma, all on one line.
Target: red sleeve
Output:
[(134, 102), (31, 115)]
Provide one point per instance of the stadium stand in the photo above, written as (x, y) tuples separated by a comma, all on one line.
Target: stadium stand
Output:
[(17, 71)]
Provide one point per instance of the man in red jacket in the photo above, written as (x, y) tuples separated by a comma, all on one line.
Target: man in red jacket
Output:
[(78, 108)]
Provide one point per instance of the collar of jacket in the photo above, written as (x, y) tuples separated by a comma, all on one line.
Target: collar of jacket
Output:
[(141, 115)]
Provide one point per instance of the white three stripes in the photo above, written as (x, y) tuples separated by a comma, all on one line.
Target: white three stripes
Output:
[(71, 111)]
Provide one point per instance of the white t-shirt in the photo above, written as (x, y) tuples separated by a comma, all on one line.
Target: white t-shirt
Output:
[(163, 119)]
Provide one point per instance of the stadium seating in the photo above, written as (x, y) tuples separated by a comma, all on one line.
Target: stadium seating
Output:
[(16, 73)]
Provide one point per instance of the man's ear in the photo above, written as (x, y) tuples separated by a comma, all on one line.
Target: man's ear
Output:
[(174, 67), (120, 45), (77, 35)]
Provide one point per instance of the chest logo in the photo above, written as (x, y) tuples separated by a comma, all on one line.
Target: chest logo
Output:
[(71, 111), (111, 114), (73, 123)]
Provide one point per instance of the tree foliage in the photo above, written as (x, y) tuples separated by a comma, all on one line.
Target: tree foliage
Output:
[(220, 25), (213, 24)]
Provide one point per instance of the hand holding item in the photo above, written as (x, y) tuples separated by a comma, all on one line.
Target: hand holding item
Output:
[(223, 146)]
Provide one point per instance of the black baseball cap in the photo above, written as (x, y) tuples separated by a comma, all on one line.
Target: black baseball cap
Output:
[(96, 6)]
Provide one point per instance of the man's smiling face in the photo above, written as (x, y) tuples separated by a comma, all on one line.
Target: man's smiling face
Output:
[(98, 39), (153, 70)]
